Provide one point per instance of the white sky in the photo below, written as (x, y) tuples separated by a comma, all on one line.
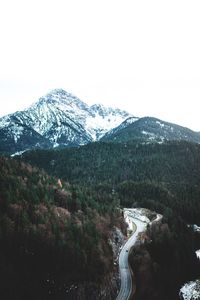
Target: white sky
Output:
[(139, 55)]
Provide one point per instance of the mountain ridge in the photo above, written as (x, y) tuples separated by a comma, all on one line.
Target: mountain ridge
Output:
[(150, 129), (60, 119)]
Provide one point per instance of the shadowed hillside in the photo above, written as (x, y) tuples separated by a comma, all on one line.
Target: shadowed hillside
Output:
[(52, 234)]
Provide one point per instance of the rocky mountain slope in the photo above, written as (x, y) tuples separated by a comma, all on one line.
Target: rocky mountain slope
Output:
[(57, 119), (60, 119)]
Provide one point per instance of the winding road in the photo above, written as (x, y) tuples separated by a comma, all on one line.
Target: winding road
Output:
[(125, 273)]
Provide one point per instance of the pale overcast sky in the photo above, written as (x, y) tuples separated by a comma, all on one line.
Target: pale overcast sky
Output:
[(139, 55)]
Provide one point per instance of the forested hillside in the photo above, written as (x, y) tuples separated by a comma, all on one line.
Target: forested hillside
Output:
[(150, 129), (166, 260), (162, 177), (52, 233), (152, 175)]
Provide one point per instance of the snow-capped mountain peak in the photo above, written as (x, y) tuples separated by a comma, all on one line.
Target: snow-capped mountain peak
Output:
[(96, 120), (62, 100), (61, 119)]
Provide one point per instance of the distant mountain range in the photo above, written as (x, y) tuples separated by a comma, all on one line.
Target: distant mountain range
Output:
[(60, 119)]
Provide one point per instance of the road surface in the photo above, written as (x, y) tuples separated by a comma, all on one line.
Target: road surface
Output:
[(125, 273)]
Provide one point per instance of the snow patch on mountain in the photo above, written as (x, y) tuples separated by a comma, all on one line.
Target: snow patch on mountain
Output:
[(123, 124), (5, 122), (161, 124), (145, 132), (196, 228), (197, 254), (18, 131), (13, 128), (18, 153), (190, 291), (127, 122), (153, 137), (103, 119)]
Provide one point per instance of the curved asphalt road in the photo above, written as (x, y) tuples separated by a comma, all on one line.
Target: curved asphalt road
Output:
[(125, 274)]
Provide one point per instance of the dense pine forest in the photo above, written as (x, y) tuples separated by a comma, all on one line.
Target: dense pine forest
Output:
[(58, 209), (52, 234), (161, 177)]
